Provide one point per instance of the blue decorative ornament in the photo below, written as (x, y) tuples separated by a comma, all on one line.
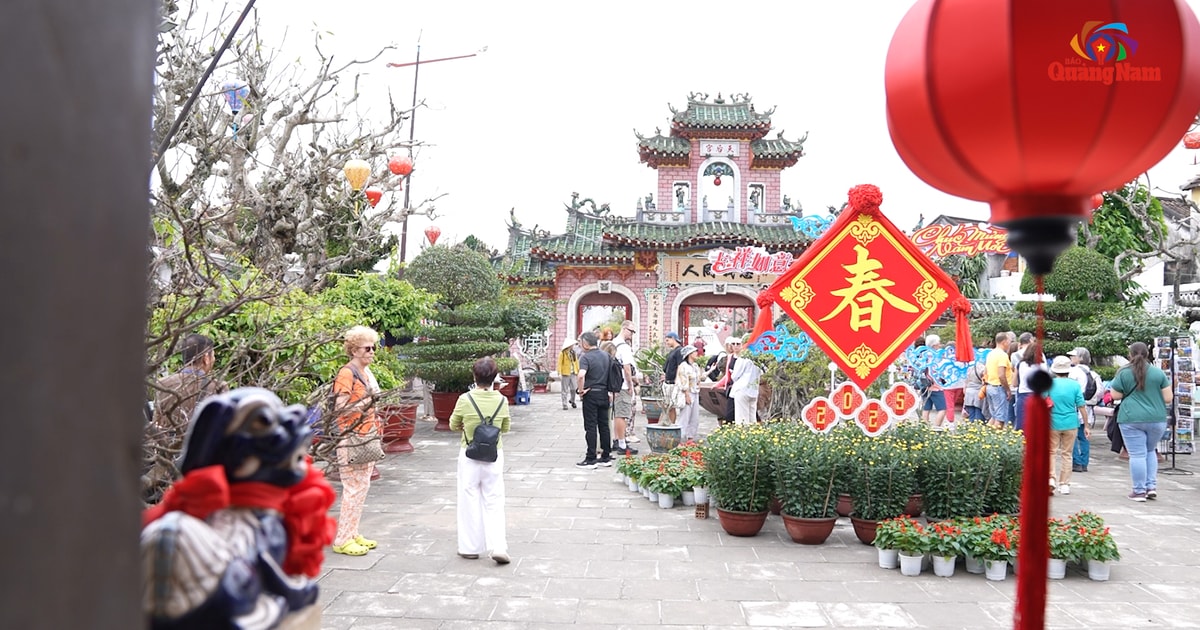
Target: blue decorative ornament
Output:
[(782, 345), (945, 371), (812, 226)]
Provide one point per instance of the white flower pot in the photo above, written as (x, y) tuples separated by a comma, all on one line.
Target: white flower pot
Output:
[(666, 501), (889, 558), (974, 565), (1057, 569), (689, 497), (652, 495), (943, 566), (701, 494), (995, 570), (1099, 571), (633, 487), (911, 565), (619, 477)]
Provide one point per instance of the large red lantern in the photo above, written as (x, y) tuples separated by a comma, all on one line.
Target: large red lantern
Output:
[(400, 165), (1033, 106), (373, 195), (432, 233)]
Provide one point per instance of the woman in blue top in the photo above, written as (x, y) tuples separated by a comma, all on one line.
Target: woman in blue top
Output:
[(1144, 392), (1067, 412)]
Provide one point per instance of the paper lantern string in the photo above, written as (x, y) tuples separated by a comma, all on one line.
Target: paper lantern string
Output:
[(1034, 550)]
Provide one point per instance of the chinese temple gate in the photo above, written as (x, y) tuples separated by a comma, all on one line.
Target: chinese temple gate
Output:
[(718, 189)]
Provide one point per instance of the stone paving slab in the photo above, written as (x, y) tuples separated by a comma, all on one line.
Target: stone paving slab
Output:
[(588, 553)]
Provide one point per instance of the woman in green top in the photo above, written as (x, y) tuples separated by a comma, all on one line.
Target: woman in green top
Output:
[(1067, 412), (1144, 392), (481, 484)]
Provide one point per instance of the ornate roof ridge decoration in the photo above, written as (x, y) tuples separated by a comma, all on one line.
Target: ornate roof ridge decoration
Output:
[(587, 208), (711, 233), (735, 118), (659, 150), (777, 152)]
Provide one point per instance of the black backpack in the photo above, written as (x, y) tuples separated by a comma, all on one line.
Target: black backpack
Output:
[(1089, 392), (485, 443), (616, 376)]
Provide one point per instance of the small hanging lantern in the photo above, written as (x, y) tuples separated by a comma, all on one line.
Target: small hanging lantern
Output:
[(400, 165), (357, 172), (235, 93), (1191, 140), (717, 180), (432, 233), (373, 195)]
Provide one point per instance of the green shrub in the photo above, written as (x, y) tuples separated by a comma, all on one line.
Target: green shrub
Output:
[(457, 275), (1079, 274)]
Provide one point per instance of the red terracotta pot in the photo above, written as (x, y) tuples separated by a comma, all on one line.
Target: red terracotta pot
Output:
[(509, 388), (742, 523), (809, 531), (916, 503), (844, 505), (399, 425), (776, 505), (864, 529), (443, 406)]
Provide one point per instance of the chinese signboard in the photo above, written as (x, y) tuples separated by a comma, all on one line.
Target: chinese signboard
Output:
[(688, 270), (754, 259), (967, 239), (863, 291), (719, 147)]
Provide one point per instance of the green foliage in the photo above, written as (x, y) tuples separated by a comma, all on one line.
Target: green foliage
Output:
[(446, 352), (1120, 325), (1079, 274), (519, 315), (457, 275), (967, 270), (1120, 230), (650, 361), (386, 303), (1062, 311), (806, 469), (739, 466)]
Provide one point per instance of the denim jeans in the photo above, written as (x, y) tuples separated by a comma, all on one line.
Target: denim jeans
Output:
[(1019, 418), (1082, 452), (1141, 438), (998, 404)]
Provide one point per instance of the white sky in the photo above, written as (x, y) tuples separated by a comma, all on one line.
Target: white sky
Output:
[(550, 108)]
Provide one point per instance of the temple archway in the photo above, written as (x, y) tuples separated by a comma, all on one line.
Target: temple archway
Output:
[(700, 312), (587, 303)]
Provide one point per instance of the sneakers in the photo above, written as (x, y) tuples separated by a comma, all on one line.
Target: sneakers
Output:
[(468, 556), (1076, 468), (587, 463), (1152, 494), (623, 450), (564, 407), (352, 548), (632, 438), (1140, 497), (572, 404), (605, 462), (501, 557), (1064, 488)]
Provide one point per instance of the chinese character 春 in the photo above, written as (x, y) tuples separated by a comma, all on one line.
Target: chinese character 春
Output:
[(866, 293)]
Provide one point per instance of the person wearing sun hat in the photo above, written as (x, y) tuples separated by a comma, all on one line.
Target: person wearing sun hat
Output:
[(568, 367), (671, 393), (688, 380), (1067, 412)]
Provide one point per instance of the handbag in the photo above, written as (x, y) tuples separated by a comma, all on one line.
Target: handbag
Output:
[(485, 443), (363, 449)]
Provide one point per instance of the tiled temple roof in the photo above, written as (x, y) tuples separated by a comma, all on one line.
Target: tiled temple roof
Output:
[(691, 235), (735, 117), (659, 150), (777, 152)]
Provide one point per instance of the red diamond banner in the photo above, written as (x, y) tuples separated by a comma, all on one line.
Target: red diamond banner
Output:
[(863, 291)]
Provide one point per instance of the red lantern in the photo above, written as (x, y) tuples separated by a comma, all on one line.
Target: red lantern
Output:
[(432, 233), (1031, 107), (400, 165), (373, 195), (717, 180), (1191, 140)]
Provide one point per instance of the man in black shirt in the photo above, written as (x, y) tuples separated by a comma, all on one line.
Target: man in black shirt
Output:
[(593, 392), (670, 368)]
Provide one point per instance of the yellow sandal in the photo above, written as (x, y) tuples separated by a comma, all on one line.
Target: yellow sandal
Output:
[(350, 548), (366, 542)]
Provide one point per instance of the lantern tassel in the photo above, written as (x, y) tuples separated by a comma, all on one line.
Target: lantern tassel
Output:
[(763, 323), (1034, 549), (964, 347)]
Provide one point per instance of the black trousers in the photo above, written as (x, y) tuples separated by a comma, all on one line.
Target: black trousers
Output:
[(595, 421)]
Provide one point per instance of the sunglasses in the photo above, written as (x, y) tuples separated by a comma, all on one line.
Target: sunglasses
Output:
[(368, 348)]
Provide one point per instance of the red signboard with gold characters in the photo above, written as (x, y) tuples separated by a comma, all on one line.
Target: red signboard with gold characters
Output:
[(863, 291)]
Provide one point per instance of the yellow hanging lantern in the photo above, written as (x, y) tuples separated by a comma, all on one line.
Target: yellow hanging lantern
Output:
[(357, 172)]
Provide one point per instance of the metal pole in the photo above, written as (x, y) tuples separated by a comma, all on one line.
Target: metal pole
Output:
[(412, 131)]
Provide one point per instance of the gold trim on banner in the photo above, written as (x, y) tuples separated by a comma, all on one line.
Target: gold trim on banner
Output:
[(929, 295), (865, 228), (798, 294), (863, 360)]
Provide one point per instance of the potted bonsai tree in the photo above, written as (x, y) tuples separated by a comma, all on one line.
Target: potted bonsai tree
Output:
[(650, 361)]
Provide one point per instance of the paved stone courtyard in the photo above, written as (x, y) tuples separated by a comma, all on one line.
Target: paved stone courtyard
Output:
[(588, 553)]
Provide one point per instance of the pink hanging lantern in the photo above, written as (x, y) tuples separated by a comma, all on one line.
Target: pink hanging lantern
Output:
[(1191, 140), (373, 195), (400, 165), (432, 233)]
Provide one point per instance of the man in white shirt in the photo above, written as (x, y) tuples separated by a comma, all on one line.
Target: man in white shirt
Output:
[(1081, 362), (744, 391), (623, 400)]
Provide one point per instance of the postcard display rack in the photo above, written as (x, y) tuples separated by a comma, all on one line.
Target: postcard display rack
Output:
[(1176, 357)]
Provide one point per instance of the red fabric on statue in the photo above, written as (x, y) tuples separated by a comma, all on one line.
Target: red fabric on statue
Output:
[(304, 507)]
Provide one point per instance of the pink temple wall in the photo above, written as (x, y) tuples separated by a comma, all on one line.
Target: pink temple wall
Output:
[(769, 177)]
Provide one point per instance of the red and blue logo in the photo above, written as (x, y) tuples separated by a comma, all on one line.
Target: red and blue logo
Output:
[(1102, 42)]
